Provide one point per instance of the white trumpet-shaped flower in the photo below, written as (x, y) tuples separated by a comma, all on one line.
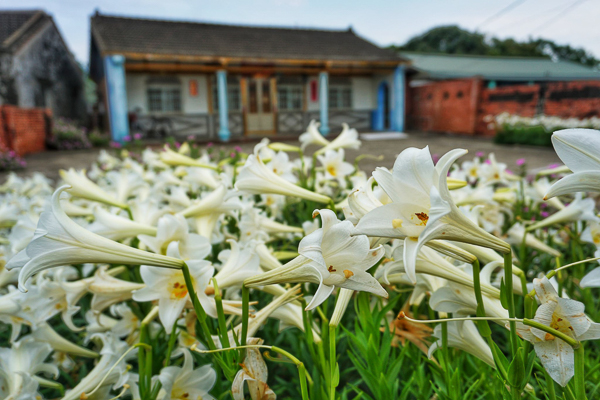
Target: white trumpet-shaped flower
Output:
[(422, 208), (348, 139), (256, 178), (579, 210), (185, 382), (579, 149), (312, 136), (82, 186), (566, 316), (60, 241), (463, 335), (331, 257), (334, 165), (168, 286)]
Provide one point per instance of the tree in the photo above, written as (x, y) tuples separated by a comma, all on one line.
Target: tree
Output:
[(452, 39)]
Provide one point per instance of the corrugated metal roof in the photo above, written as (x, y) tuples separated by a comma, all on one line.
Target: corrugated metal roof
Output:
[(447, 66)]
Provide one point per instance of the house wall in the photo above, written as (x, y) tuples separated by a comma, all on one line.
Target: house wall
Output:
[(44, 74), (24, 130), (137, 97)]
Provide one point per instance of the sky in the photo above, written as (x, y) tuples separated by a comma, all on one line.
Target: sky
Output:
[(573, 22)]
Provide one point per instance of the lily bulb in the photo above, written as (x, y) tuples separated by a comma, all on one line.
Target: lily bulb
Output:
[(463, 335), (579, 149), (330, 257), (566, 316), (312, 136), (82, 186), (256, 178), (58, 240), (422, 208)]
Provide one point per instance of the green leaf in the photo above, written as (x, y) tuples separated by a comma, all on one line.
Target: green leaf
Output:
[(516, 370)]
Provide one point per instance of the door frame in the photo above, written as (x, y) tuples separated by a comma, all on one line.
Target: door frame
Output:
[(245, 83)]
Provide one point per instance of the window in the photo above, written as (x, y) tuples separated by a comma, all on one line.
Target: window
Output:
[(164, 99), (290, 97), (340, 97), (234, 97), (459, 95)]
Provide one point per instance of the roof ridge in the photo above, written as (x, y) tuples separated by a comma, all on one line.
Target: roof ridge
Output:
[(224, 24), (419, 53)]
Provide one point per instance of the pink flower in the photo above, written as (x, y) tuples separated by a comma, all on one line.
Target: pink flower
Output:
[(435, 157), (238, 149), (127, 138), (209, 144), (115, 145), (137, 136), (232, 155), (520, 161), (480, 154), (190, 137), (177, 144), (544, 214)]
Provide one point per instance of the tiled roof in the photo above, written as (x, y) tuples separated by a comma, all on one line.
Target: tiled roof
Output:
[(447, 66), (11, 21), (173, 38)]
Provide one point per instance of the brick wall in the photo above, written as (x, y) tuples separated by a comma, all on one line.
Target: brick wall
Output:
[(579, 99), (23, 130), (519, 99), (445, 106)]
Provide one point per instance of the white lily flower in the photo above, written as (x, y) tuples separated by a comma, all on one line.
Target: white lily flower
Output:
[(111, 352), (331, 257), (579, 149), (169, 288), (334, 165), (173, 158), (59, 241), (579, 210), (422, 208), (117, 228), (185, 382), (24, 360), (312, 136), (280, 165), (463, 335), (256, 178), (566, 316), (125, 183), (241, 264), (430, 262), (82, 186), (108, 290), (348, 139), (515, 236), (254, 372)]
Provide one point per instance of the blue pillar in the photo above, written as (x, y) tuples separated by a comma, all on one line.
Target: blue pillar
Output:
[(116, 92), (378, 123), (224, 133), (398, 96), (324, 102)]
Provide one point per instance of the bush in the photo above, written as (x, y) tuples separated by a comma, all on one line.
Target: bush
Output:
[(66, 135), (99, 139), (10, 161), (531, 135)]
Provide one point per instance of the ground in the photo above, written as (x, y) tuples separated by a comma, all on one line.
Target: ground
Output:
[(537, 157)]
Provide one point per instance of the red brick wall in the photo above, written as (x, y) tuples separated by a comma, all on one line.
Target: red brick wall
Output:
[(519, 99), (579, 99), (23, 129), (445, 106)]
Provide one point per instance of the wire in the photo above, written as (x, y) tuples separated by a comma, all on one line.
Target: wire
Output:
[(529, 19), (506, 9), (559, 15)]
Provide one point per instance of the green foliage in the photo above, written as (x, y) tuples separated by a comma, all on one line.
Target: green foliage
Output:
[(529, 135), (452, 39)]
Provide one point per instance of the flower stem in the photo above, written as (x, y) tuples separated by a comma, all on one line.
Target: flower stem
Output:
[(221, 315), (510, 301), (484, 327), (580, 373), (245, 314), (446, 356), (200, 313), (333, 382)]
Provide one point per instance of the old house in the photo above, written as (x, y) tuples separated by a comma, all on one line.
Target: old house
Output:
[(36, 67), (211, 80)]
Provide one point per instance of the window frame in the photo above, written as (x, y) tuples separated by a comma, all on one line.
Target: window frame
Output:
[(232, 87), (289, 88), (338, 105), (164, 88)]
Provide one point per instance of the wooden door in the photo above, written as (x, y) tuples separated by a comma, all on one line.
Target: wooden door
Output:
[(260, 115)]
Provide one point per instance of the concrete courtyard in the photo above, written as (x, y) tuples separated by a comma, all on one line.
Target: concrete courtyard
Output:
[(537, 157)]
